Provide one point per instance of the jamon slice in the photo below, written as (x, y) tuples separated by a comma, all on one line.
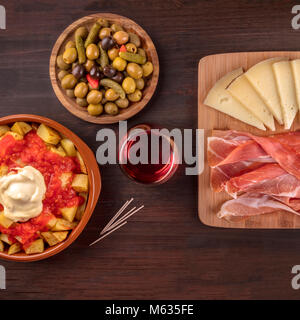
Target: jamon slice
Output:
[(281, 152), (219, 149), (247, 151), (269, 179), (230, 146), (251, 204), (293, 203), (221, 174)]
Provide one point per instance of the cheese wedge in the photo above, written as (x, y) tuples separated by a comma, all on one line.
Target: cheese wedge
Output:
[(296, 73), (262, 79), (287, 92), (242, 90), (220, 99)]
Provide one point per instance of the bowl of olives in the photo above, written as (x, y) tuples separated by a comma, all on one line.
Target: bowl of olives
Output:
[(104, 68)]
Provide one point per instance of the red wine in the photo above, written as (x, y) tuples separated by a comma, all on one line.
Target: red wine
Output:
[(148, 173)]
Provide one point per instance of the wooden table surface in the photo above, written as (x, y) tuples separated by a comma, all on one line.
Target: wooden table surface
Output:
[(164, 252)]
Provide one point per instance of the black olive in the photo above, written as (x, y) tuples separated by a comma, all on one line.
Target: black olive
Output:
[(78, 71), (109, 71), (118, 77), (95, 73), (107, 43)]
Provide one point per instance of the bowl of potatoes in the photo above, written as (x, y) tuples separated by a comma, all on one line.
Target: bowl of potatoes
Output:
[(49, 186), (104, 68)]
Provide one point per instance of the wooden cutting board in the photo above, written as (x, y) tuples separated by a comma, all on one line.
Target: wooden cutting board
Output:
[(211, 69)]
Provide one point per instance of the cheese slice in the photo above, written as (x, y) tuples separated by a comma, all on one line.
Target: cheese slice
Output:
[(262, 79), (287, 92), (220, 99), (296, 73), (242, 90)]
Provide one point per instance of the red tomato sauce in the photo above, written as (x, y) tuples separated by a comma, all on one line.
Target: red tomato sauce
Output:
[(33, 151)]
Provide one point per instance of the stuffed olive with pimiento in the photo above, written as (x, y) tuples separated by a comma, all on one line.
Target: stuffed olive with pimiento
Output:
[(104, 68)]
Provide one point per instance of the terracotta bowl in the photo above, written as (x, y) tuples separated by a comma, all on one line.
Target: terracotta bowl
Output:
[(70, 103), (94, 185)]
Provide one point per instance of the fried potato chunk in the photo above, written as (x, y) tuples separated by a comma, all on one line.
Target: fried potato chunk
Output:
[(81, 163), (14, 248), (81, 208), (21, 128), (3, 130), (65, 178), (48, 134), (5, 222), (80, 183), (59, 150), (53, 238), (69, 213), (69, 147), (36, 246), (63, 225), (51, 223), (1, 246), (4, 238), (15, 135)]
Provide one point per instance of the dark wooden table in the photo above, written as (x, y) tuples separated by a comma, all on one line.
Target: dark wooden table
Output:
[(164, 252)]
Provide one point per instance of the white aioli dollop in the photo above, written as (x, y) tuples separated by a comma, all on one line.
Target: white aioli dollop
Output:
[(22, 193)]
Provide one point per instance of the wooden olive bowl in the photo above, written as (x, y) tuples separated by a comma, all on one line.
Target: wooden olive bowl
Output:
[(94, 186), (70, 103)]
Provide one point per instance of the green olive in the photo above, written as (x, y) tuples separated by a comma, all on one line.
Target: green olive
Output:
[(113, 53), (95, 109), (121, 37), (134, 70), (70, 44), (61, 74), (68, 81), (92, 51), (135, 96), (70, 55), (129, 85), (81, 102), (103, 22), (134, 38), (140, 83), (119, 64), (104, 32), (147, 69), (70, 93), (116, 27), (89, 65), (111, 108), (130, 47), (94, 97), (111, 95), (141, 52), (61, 64), (81, 90), (81, 32), (122, 103)]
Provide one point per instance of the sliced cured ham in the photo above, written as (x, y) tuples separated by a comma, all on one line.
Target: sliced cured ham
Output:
[(246, 151), (230, 146), (269, 179), (220, 175), (293, 203), (251, 204), (281, 152), (261, 173)]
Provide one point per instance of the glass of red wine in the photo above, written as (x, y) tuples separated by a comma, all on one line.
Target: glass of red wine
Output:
[(147, 156)]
